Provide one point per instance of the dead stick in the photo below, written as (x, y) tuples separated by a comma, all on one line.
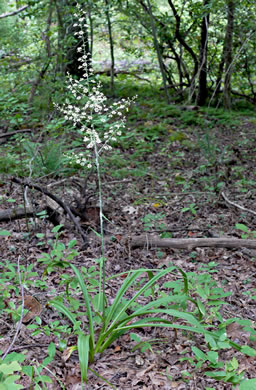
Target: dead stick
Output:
[(151, 242), (57, 200), (237, 205), (11, 133)]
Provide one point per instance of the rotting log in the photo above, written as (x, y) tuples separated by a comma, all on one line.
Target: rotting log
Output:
[(13, 214), (152, 242)]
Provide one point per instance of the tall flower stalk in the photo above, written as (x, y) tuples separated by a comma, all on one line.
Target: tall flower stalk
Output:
[(99, 124)]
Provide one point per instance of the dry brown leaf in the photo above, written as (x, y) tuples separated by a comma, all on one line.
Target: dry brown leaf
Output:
[(236, 332), (34, 307)]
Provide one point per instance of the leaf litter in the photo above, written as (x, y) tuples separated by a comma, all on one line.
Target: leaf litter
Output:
[(167, 189)]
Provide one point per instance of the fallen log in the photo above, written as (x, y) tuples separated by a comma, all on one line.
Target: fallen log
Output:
[(152, 242), (13, 214)]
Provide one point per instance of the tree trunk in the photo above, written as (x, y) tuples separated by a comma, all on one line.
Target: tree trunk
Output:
[(67, 52), (228, 53), (111, 44), (203, 91), (183, 43), (157, 48)]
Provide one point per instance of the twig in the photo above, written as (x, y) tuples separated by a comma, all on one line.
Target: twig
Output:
[(11, 133), (17, 11), (57, 200), (21, 315), (237, 205), (56, 183), (20, 347)]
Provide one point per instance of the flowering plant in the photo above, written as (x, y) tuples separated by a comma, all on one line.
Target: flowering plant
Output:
[(108, 319), (98, 122)]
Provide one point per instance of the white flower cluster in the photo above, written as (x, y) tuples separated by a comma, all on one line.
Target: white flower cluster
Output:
[(79, 159), (98, 122)]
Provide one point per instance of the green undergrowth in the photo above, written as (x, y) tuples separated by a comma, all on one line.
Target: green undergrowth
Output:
[(189, 303), (172, 141), (154, 127)]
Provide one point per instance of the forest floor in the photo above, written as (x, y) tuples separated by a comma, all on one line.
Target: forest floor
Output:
[(171, 178)]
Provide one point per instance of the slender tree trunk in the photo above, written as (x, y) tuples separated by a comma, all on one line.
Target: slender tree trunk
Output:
[(181, 40), (68, 56), (157, 48), (111, 44), (203, 91), (45, 37), (229, 54), (60, 45), (220, 72)]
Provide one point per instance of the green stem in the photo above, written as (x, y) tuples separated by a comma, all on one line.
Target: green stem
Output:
[(102, 263)]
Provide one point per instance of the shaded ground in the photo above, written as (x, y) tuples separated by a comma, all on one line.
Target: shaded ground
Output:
[(183, 175)]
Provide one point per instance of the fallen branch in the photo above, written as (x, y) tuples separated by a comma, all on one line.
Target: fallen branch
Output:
[(57, 200), (13, 214), (151, 242), (237, 205), (11, 133)]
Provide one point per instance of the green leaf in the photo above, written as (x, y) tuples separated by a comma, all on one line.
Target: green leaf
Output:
[(83, 345), (5, 233), (9, 383), (248, 350), (201, 307), (72, 243), (28, 370), (45, 379), (234, 364), (51, 349), (135, 337), (40, 235), (88, 307), (242, 227), (64, 310), (185, 279), (9, 368), (200, 355), (201, 291), (127, 283), (98, 302), (249, 384), (42, 213), (14, 356), (216, 374), (212, 356), (57, 228)]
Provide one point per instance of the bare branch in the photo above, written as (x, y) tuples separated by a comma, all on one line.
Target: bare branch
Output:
[(17, 11), (237, 205), (12, 133), (57, 200)]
